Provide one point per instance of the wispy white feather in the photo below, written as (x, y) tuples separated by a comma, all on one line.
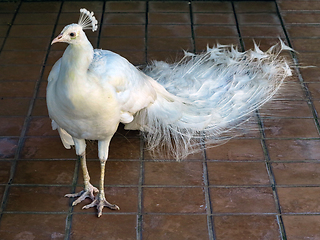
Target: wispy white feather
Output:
[(87, 20), (214, 93)]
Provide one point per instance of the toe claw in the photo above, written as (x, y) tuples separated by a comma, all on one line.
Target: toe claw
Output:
[(87, 193), (100, 203), (73, 195)]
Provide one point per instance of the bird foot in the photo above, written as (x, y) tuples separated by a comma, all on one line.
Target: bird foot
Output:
[(100, 202), (86, 193)]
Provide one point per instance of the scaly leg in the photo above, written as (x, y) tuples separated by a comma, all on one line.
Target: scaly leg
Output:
[(100, 201), (89, 190)]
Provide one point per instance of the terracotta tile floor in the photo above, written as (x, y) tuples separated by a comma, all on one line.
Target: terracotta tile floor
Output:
[(264, 185)]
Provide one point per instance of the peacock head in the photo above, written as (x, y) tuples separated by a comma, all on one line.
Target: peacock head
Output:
[(74, 33)]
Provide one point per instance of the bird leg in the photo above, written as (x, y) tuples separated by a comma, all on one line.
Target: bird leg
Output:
[(100, 201), (89, 190)]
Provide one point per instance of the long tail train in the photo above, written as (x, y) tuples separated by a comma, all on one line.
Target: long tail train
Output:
[(208, 95)]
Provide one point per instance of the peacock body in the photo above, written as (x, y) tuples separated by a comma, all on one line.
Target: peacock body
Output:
[(204, 95)]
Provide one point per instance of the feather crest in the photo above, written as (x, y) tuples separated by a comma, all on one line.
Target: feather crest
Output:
[(87, 20)]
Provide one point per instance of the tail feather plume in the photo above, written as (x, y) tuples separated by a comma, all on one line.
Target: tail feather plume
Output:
[(208, 95)]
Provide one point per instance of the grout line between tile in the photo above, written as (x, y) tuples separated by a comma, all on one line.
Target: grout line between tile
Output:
[(265, 151), (146, 32), (210, 221), (192, 28), (296, 63), (101, 23), (10, 25), (70, 211), (14, 162), (139, 228), (272, 179), (238, 26)]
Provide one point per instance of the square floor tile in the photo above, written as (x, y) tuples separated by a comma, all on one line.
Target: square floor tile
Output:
[(33, 226), (8, 6), (74, 6), (26, 72), (2, 189), (22, 57), (296, 173), (174, 227), (122, 148), (27, 43), (234, 173), (125, 6), (31, 30), (299, 199), (173, 173), (263, 30), (305, 45), (21, 89), (215, 30), (36, 18), (291, 90), (293, 150), (169, 31), (3, 30), (258, 18), (174, 200), (205, 6), (44, 172), (39, 7), (38, 199), (290, 128), (89, 226), (14, 106), (237, 149), (286, 109), (128, 44), (300, 17), (168, 18), (123, 31), (246, 227), (296, 5), (179, 6), (242, 200), (11, 126), (45, 148), (5, 168), (169, 44), (128, 18), (298, 31), (8, 147), (257, 6), (302, 226), (41, 126), (213, 18), (314, 90)]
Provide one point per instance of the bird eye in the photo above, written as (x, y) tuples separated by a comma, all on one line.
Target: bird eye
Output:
[(72, 34)]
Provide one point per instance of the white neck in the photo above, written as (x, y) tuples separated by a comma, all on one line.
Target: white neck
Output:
[(75, 62)]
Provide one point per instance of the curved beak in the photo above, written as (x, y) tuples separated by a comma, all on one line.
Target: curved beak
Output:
[(57, 39)]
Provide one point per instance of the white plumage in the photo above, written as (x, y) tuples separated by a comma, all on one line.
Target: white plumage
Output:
[(206, 95)]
